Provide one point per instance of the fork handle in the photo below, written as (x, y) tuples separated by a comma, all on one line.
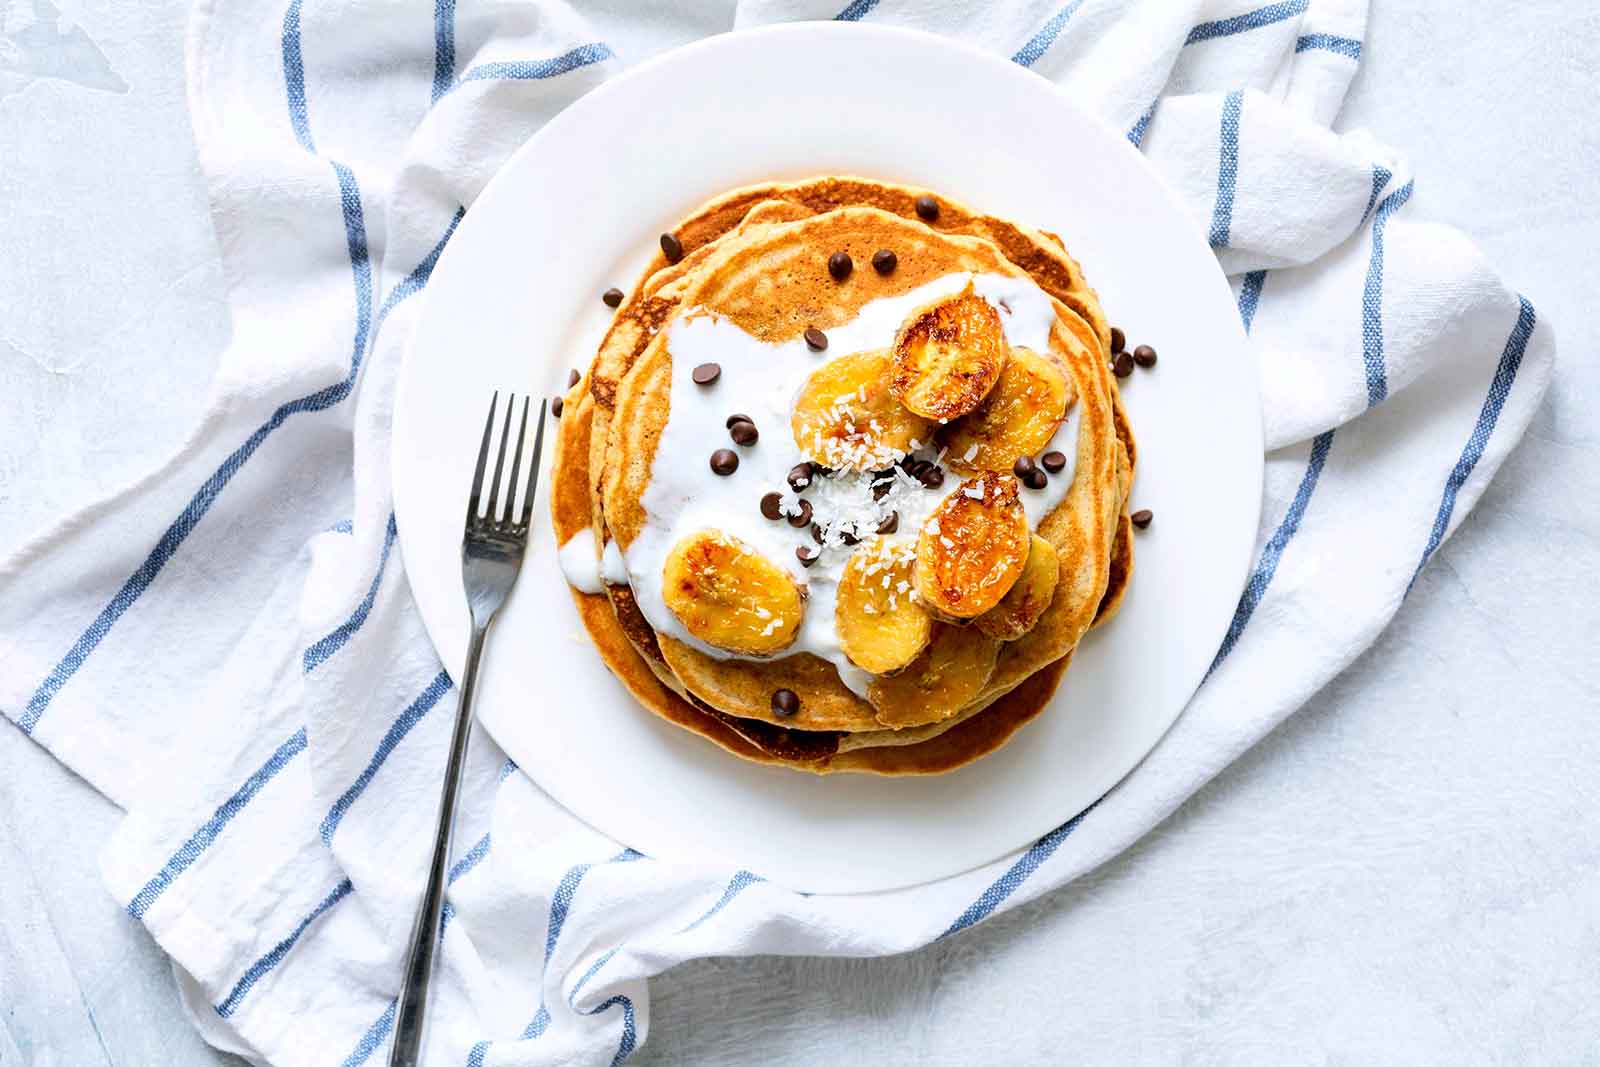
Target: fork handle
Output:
[(407, 1050)]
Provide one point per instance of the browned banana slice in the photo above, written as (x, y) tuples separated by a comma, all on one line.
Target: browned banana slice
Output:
[(730, 597), (845, 417), (1019, 610), (948, 356), (972, 548), (1017, 418), (880, 627), (947, 676)]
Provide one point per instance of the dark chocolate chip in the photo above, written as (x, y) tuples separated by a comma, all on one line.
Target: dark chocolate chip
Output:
[(802, 518), (573, 377), (816, 340), (671, 247), (1141, 518), (881, 486), (772, 506), (890, 523), (1122, 366), (744, 433), (927, 208), (800, 476), (706, 373), (816, 532), (785, 702), (612, 297), (1054, 462), (556, 405), (848, 535), (737, 418), (1036, 479), (840, 265), (1023, 467), (1145, 356), (724, 461), (884, 261), (932, 476), (1119, 340), (807, 555)]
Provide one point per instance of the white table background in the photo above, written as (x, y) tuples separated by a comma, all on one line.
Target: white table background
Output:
[(1408, 871)]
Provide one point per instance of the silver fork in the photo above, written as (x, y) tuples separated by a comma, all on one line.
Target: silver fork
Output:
[(491, 555)]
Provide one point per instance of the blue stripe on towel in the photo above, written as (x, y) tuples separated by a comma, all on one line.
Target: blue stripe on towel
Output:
[(1040, 42), (395, 734), (1227, 169), (1251, 20), (1272, 552), (1018, 873), (856, 11), (1250, 296), (202, 838), (318, 653), (1137, 132), (1372, 300), (1505, 374), (630, 1034), (372, 1038), (264, 966), (1328, 42), (444, 47), (740, 881), (1380, 178), (537, 69), (294, 77)]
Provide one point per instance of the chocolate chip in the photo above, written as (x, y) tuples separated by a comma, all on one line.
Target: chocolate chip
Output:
[(724, 461), (927, 208), (801, 518), (737, 418), (816, 532), (1119, 340), (840, 265), (1036, 479), (1141, 518), (785, 702), (556, 405), (1023, 467), (881, 486), (1122, 366), (928, 474), (706, 373), (890, 523), (612, 297), (849, 536), (807, 555), (816, 340), (671, 247), (743, 433), (1145, 356), (800, 476), (772, 506), (884, 261), (573, 377), (1054, 462)]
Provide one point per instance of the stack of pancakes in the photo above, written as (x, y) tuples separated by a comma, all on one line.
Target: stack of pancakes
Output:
[(981, 659)]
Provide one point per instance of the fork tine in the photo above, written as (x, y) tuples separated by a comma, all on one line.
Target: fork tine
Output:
[(533, 471), (483, 458), (516, 464), (500, 461)]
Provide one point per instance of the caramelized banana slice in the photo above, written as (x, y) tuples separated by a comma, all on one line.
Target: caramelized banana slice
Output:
[(846, 419), (948, 676), (880, 628), (1017, 418), (948, 356), (730, 597), (1019, 610), (973, 547)]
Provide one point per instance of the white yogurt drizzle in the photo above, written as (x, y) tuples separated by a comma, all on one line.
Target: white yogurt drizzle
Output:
[(762, 379)]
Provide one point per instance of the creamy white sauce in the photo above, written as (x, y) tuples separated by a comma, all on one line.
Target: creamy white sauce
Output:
[(580, 563), (762, 379)]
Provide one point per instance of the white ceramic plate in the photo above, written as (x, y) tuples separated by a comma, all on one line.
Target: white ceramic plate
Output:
[(514, 303)]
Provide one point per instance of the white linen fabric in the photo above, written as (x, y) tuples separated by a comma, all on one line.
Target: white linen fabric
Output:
[(228, 648)]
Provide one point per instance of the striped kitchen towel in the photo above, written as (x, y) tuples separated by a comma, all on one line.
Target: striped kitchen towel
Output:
[(228, 648)]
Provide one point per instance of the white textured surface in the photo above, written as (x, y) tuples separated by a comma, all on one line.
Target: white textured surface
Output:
[(1365, 885)]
